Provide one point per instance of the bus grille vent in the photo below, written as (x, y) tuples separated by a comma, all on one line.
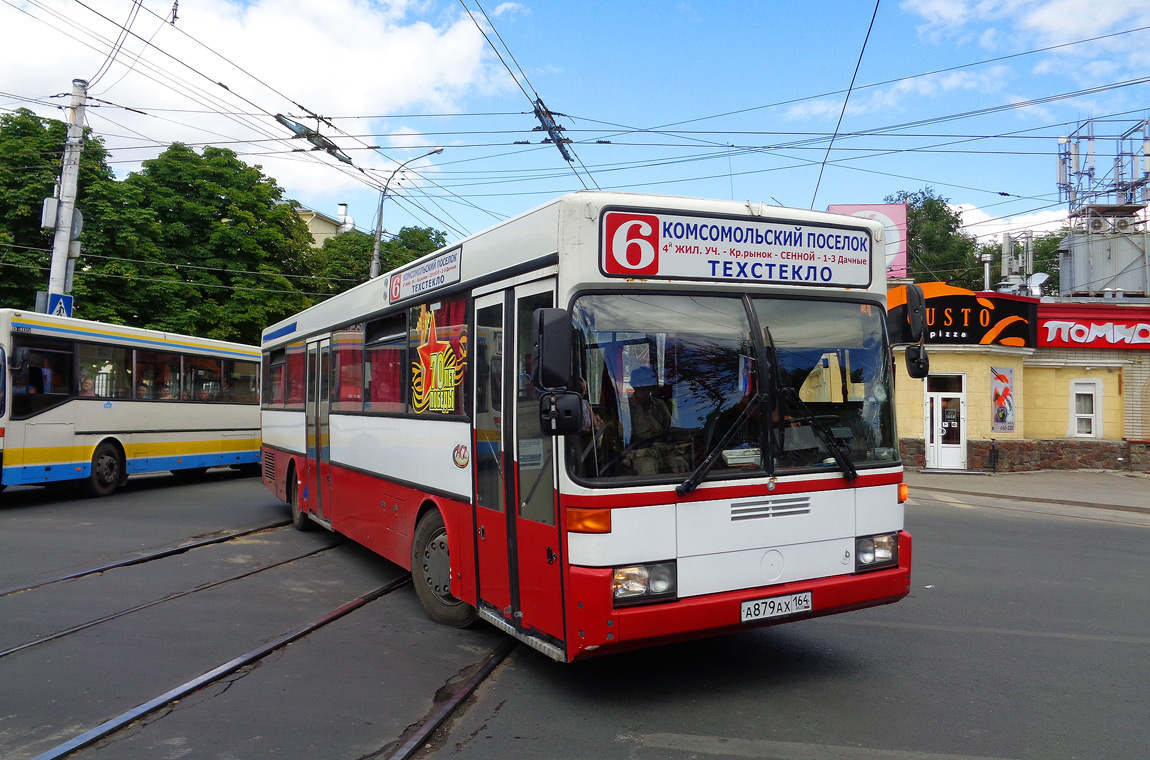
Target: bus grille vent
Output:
[(269, 458), (787, 506)]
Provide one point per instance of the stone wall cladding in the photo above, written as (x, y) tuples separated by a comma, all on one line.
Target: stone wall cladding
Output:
[(1055, 454)]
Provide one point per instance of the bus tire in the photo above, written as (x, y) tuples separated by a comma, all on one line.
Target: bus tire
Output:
[(431, 573), (299, 519), (107, 470)]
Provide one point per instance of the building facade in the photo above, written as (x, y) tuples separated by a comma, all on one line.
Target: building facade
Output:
[(1021, 384)]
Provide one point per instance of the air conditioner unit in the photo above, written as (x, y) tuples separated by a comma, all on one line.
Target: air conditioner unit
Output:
[(1097, 224), (1122, 224)]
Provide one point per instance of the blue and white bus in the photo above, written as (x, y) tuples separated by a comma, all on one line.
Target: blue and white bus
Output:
[(94, 403)]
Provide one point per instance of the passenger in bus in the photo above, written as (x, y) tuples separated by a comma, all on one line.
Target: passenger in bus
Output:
[(165, 391), (142, 390), (650, 422), (591, 421), (87, 387)]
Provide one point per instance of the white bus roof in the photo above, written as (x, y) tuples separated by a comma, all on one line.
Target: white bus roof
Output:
[(530, 241), (17, 321)]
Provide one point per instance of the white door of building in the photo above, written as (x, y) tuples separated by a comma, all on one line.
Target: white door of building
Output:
[(945, 417)]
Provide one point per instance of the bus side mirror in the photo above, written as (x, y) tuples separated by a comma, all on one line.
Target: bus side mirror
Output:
[(915, 313), (560, 413), (917, 362), (18, 361), (551, 357)]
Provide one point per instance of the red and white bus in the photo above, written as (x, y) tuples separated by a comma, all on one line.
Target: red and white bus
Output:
[(613, 421)]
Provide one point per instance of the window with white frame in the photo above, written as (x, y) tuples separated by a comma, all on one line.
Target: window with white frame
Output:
[(1085, 409)]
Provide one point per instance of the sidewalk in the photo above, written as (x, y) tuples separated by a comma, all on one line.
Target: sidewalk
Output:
[(1083, 488)]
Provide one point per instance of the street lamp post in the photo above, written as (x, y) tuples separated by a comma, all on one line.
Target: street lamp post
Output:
[(373, 272)]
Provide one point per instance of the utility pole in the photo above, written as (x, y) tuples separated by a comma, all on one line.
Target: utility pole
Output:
[(66, 209)]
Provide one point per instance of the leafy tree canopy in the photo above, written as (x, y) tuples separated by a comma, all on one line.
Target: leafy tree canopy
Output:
[(200, 244), (31, 154), (196, 243), (937, 248)]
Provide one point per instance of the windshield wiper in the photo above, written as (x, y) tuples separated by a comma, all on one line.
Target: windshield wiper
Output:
[(844, 462), (691, 483), (791, 396)]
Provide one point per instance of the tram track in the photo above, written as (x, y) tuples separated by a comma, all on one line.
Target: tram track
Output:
[(417, 736), (181, 691), (149, 557), (167, 598)]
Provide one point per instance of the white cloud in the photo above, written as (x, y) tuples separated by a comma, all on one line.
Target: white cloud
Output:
[(337, 58), (988, 227)]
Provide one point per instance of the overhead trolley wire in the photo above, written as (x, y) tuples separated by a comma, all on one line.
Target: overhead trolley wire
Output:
[(846, 100)]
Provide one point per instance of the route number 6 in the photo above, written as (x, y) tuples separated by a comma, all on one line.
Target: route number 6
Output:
[(632, 244)]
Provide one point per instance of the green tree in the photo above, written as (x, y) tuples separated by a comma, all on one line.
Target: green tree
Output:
[(31, 153), (937, 248), (1046, 258), (196, 243), (344, 260)]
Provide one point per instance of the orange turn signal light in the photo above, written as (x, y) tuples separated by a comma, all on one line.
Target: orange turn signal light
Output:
[(588, 520), (903, 492)]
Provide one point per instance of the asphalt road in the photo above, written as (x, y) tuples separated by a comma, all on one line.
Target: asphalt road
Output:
[(1025, 636)]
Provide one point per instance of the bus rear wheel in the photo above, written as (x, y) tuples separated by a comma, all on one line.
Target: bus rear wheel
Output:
[(107, 470), (299, 519), (431, 573)]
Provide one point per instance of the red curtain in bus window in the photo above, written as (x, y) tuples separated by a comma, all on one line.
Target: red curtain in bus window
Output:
[(296, 375), (440, 349), (348, 347), (385, 371), (277, 385)]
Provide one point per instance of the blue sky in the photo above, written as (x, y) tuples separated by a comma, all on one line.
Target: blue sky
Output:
[(718, 99)]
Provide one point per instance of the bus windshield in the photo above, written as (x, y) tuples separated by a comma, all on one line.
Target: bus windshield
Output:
[(749, 387)]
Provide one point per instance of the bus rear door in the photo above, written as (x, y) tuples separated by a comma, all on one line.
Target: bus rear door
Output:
[(317, 409)]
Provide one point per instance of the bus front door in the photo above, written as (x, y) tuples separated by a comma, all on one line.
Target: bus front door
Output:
[(520, 561), (491, 464), (317, 409)]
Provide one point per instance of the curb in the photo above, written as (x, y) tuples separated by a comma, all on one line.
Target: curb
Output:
[(1008, 497)]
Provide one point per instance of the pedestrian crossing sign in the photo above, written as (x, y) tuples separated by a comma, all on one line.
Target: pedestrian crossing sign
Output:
[(59, 305)]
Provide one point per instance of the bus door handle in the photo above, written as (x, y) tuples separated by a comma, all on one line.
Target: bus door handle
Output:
[(551, 556), (482, 535)]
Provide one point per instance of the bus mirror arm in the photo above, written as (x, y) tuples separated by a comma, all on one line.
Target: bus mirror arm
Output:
[(560, 413), (917, 362)]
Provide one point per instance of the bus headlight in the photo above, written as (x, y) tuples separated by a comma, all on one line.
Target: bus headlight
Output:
[(636, 584), (874, 552)]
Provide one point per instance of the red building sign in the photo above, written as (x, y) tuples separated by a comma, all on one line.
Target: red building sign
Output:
[(1090, 326)]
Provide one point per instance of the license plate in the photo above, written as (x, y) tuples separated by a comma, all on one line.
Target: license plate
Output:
[(776, 606)]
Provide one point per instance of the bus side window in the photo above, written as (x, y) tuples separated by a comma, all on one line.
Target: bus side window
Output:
[(384, 358), (46, 379), (275, 379), (347, 353)]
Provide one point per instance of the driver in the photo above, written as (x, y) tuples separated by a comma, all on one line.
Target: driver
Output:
[(650, 421)]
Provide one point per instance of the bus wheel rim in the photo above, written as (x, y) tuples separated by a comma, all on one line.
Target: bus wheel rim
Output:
[(437, 567)]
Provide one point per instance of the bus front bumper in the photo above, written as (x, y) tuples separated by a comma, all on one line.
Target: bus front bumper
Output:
[(595, 627)]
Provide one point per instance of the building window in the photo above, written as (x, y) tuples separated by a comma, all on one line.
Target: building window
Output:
[(1085, 410)]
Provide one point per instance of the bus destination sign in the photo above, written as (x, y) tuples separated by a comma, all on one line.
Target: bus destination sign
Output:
[(433, 274), (675, 247)]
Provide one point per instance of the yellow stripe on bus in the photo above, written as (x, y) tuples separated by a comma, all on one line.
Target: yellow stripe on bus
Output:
[(17, 457)]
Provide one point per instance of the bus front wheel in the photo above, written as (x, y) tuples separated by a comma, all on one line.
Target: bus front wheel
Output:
[(431, 573), (107, 470)]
